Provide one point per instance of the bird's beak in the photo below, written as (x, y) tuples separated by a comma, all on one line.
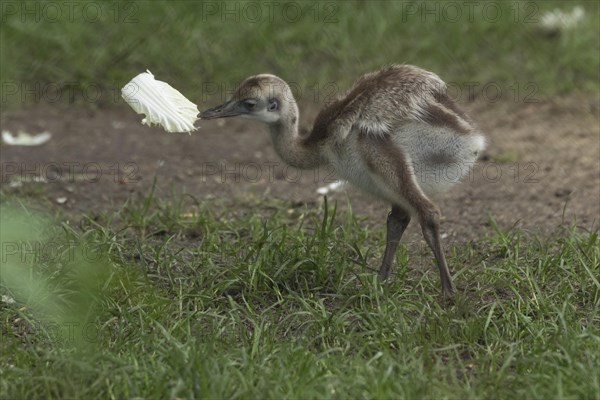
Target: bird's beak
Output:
[(228, 109)]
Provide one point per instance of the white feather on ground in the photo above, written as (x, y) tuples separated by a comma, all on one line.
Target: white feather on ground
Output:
[(558, 20), (337, 186), (25, 139)]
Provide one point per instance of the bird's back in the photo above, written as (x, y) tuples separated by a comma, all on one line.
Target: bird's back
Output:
[(380, 101)]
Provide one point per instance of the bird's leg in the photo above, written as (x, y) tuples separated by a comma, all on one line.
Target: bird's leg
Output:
[(430, 224), (387, 160), (397, 221)]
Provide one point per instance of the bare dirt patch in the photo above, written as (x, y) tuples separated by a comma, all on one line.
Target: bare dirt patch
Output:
[(541, 169)]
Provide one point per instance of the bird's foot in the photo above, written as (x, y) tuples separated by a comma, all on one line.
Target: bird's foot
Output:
[(448, 296), (384, 273)]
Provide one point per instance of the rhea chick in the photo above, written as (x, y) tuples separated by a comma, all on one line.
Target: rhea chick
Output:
[(395, 134)]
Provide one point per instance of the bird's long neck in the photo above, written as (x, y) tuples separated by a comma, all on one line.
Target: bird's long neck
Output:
[(291, 147)]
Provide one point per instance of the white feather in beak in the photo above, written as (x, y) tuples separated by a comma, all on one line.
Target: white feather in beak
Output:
[(161, 103)]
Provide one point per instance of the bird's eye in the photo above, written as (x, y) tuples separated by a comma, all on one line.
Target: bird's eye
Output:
[(273, 105), (250, 104)]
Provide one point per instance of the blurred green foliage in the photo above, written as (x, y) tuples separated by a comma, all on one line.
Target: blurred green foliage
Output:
[(59, 274)]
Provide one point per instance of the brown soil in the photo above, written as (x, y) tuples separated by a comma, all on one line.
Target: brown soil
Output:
[(541, 169)]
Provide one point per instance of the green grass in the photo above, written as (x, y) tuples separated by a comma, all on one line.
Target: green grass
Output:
[(185, 300), (321, 51)]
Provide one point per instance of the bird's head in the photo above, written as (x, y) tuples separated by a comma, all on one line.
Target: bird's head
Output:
[(264, 97)]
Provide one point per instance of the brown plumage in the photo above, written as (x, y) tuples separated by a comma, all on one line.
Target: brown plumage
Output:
[(395, 134)]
